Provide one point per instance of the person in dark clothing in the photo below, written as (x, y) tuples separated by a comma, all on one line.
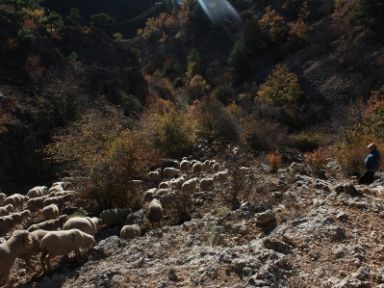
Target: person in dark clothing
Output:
[(371, 163)]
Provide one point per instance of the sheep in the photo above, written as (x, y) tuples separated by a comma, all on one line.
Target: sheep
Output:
[(34, 248), (168, 199), (37, 191), (58, 200), (206, 166), (206, 184), (35, 204), (185, 166), (197, 168), (63, 184), (164, 185), (50, 225), (216, 167), (10, 250), (56, 243), (154, 176), (6, 209), (221, 176), (114, 217), (170, 172), (136, 217), (2, 198), (10, 221), (86, 224), (148, 195), (155, 213), (189, 187), (130, 231), (178, 182), (55, 189), (50, 212), (17, 200)]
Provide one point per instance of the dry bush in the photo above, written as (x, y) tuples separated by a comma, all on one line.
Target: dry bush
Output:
[(317, 160), (170, 128), (216, 125), (275, 160), (306, 141), (107, 154)]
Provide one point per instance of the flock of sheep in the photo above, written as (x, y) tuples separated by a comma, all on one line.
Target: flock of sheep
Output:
[(34, 224)]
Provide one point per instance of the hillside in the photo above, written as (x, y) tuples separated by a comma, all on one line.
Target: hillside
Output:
[(191, 143)]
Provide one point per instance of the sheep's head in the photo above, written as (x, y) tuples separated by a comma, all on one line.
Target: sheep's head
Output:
[(22, 237), (63, 219)]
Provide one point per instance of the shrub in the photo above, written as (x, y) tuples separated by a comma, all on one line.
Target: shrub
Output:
[(371, 12), (317, 160), (306, 142), (273, 26), (171, 129), (215, 124), (193, 63), (73, 19), (281, 87), (107, 154), (238, 63), (101, 19), (274, 159), (197, 87)]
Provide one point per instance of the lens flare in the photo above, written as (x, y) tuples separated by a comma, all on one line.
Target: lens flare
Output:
[(219, 10)]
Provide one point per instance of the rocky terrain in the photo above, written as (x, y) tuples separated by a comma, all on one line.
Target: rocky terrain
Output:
[(292, 230)]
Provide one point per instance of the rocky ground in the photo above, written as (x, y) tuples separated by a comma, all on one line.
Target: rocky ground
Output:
[(290, 231)]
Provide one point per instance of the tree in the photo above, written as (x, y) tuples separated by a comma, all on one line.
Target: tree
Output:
[(100, 19), (54, 21), (193, 63), (73, 18), (281, 87), (273, 26), (238, 63), (371, 12)]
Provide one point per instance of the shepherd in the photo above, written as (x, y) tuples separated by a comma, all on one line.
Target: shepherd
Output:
[(371, 162)]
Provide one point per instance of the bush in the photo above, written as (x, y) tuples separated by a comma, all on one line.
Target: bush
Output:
[(171, 129), (193, 63), (238, 63), (370, 12), (317, 160), (306, 142), (106, 153), (273, 26), (274, 159), (215, 124)]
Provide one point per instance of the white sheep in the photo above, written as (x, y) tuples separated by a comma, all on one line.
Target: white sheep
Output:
[(149, 194), (2, 198), (59, 200), (168, 199), (189, 186), (10, 250), (136, 217), (114, 217), (33, 249), (155, 213), (63, 242), (216, 167), (185, 166), (154, 176), (130, 231), (206, 166), (165, 185), (206, 184), (50, 212), (6, 209), (17, 200), (221, 176), (170, 172), (63, 184), (178, 182), (86, 224), (197, 168), (49, 225), (35, 204), (37, 191), (10, 221), (55, 189)]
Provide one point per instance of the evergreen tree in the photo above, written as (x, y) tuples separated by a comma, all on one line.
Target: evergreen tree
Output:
[(54, 21), (100, 19), (238, 63), (73, 18), (371, 12), (193, 63)]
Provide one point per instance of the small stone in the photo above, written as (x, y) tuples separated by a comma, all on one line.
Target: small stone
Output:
[(277, 245)]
